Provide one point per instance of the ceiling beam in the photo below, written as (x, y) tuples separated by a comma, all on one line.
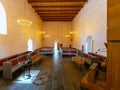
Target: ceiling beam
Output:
[(57, 9), (54, 4), (56, 16), (58, 12), (35, 7), (57, 19), (30, 1)]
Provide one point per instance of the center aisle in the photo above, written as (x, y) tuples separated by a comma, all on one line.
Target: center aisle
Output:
[(63, 74)]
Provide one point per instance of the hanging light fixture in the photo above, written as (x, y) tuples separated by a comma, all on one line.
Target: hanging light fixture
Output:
[(23, 21)]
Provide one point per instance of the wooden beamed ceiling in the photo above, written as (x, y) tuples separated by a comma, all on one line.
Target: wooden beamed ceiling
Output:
[(57, 10)]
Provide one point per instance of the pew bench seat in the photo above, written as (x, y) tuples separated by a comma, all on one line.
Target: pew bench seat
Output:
[(9, 67), (36, 58), (78, 60)]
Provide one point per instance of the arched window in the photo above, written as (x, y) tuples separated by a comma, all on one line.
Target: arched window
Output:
[(89, 44), (30, 45), (3, 22)]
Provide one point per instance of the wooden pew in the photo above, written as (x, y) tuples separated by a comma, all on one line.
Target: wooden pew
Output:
[(98, 85), (35, 57)]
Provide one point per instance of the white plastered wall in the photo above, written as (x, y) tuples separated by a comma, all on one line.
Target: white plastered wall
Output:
[(91, 20), (17, 36), (57, 32)]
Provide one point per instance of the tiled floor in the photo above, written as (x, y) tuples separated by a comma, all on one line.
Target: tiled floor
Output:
[(62, 74)]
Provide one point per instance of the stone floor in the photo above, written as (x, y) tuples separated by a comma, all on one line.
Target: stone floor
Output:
[(62, 74)]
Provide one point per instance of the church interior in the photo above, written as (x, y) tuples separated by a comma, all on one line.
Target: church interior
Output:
[(59, 44)]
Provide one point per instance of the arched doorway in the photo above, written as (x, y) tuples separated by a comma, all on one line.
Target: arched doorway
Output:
[(56, 45), (89, 44)]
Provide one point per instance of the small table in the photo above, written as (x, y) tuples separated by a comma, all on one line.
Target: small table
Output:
[(98, 85)]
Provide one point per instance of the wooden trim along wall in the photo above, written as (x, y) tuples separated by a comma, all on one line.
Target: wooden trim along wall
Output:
[(113, 38)]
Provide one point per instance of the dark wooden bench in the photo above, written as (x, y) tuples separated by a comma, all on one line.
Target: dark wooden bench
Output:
[(101, 58), (98, 85), (35, 57), (10, 58), (89, 58), (68, 51), (46, 50), (78, 60), (12, 63)]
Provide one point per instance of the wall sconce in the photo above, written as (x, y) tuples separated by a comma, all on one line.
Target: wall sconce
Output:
[(43, 39), (71, 32), (67, 36), (47, 35), (42, 32)]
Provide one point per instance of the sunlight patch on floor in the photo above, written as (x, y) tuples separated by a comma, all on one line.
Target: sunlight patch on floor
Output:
[(23, 78)]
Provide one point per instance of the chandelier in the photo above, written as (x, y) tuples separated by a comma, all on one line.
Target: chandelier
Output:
[(22, 21)]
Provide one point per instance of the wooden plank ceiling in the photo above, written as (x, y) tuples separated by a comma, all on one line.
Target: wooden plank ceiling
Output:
[(57, 10)]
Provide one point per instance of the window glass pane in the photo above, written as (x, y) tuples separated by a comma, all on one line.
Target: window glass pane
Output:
[(3, 23)]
